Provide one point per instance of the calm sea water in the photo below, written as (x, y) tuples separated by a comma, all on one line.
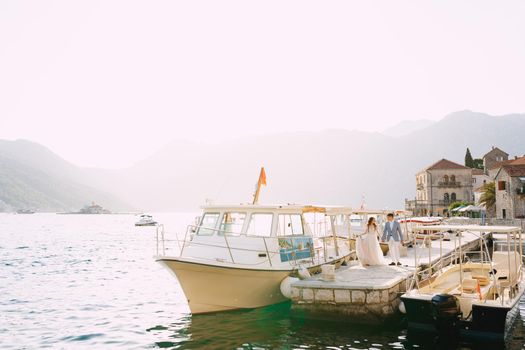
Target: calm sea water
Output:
[(90, 282)]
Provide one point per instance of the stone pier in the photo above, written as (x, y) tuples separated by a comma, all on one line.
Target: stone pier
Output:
[(370, 294), (359, 294)]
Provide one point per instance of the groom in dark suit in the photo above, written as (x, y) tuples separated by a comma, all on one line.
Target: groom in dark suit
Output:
[(394, 236)]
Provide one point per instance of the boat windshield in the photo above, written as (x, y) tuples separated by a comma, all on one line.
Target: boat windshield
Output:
[(339, 219), (290, 224), (260, 224), (232, 223), (208, 224), (356, 220), (341, 224)]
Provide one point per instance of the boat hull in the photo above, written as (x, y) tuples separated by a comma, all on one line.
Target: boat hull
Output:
[(488, 322), (491, 323), (212, 288), (147, 224)]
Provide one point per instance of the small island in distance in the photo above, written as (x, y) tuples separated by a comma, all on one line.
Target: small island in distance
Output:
[(90, 209)]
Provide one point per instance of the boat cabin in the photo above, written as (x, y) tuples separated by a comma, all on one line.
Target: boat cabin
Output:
[(272, 234)]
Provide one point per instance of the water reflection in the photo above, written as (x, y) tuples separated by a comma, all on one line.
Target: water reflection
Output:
[(275, 327)]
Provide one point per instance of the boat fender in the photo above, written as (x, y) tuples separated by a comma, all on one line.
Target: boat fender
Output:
[(286, 286), (303, 273), (402, 308)]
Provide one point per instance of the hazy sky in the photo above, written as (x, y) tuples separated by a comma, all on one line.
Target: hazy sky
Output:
[(106, 83)]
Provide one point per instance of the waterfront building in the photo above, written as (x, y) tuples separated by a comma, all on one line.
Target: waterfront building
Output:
[(440, 185), (494, 156), (479, 178), (509, 177)]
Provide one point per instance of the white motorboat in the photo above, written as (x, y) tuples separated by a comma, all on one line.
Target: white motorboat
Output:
[(409, 222), (242, 256), (146, 220), (470, 298)]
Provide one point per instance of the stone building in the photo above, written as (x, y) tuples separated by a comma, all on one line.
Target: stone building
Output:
[(494, 156), (509, 180), (440, 185), (479, 178)]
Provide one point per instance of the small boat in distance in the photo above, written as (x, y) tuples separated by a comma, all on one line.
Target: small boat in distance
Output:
[(92, 209), (146, 220), (25, 211)]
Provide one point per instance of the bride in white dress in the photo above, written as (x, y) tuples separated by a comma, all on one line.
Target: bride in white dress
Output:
[(367, 246)]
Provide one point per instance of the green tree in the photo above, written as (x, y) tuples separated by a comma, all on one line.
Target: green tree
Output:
[(469, 161), (478, 163), (488, 195)]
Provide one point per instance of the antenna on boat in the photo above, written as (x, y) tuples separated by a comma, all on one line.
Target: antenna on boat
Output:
[(260, 182), (363, 203)]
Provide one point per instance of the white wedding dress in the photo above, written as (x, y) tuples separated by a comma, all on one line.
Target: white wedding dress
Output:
[(368, 249)]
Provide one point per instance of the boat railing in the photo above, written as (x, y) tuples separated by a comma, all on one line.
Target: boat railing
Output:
[(434, 266), (267, 243), (160, 241), (460, 257), (426, 272)]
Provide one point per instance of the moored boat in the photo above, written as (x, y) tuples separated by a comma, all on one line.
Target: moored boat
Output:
[(244, 256), (25, 211), (146, 220), (471, 298)]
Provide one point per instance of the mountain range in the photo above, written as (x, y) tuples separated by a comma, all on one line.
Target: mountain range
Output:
[(33, 177), (338, 167)]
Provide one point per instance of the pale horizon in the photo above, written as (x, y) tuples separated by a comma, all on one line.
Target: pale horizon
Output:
[(105, 84)]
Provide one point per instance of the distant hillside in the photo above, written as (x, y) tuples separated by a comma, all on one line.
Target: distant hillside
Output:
[(335, 167), (33, 177), (407, 127)]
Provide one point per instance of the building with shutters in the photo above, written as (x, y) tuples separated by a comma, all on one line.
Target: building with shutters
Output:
[(440, 185)]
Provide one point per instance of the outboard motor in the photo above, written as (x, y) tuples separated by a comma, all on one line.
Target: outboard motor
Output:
[(445, 312)]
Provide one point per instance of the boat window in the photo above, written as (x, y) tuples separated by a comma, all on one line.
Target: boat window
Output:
[(208, 224), (339, 220), (356, 220), (340, 224), (260, 225), (290, 224), (232, 223)]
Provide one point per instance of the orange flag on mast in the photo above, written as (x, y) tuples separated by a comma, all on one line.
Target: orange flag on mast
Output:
[(260, 182), (262, 177)]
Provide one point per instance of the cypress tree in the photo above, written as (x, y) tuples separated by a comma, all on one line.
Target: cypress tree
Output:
[(469, 161)]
